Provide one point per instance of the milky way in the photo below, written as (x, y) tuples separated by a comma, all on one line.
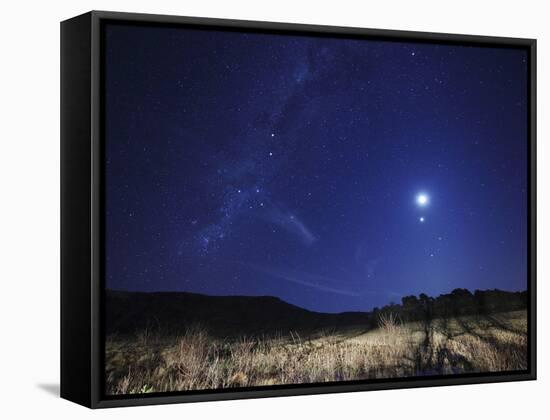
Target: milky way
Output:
[(263, 164)]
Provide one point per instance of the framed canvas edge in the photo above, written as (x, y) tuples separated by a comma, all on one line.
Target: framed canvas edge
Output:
[(97, 364), (100, 400)]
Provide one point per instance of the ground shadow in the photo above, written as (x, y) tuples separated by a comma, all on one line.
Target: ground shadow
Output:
[(52, 389)]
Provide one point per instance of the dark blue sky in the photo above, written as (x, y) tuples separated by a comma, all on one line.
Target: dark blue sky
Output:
[(265, 164)]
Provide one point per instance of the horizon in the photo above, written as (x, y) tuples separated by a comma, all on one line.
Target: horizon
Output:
[(334, 174), (399, 302)]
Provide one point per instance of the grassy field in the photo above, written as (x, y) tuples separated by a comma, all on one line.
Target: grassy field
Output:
[(149, 362)]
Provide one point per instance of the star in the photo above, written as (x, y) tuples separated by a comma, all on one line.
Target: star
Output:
[(421, 219)]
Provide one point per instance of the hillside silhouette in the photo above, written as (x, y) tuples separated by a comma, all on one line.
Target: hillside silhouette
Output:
[(172, 313)]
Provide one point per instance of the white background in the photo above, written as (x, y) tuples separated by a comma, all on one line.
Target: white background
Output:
[(29, 230)]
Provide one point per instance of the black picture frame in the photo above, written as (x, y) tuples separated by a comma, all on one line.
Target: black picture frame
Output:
[(82, 224)]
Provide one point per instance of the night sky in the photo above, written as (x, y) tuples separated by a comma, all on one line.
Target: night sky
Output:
[(336, 174)]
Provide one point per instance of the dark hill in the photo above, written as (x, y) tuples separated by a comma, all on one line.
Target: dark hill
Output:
[(226, 316), (173, 312)]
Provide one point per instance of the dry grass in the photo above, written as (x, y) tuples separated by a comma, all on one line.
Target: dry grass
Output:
[(152, 363), (389, 322)]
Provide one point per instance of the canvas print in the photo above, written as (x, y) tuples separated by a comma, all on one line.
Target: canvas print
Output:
[(290, 209)]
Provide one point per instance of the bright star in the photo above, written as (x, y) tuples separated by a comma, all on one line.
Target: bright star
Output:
[(422, 199), (421, 219)]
